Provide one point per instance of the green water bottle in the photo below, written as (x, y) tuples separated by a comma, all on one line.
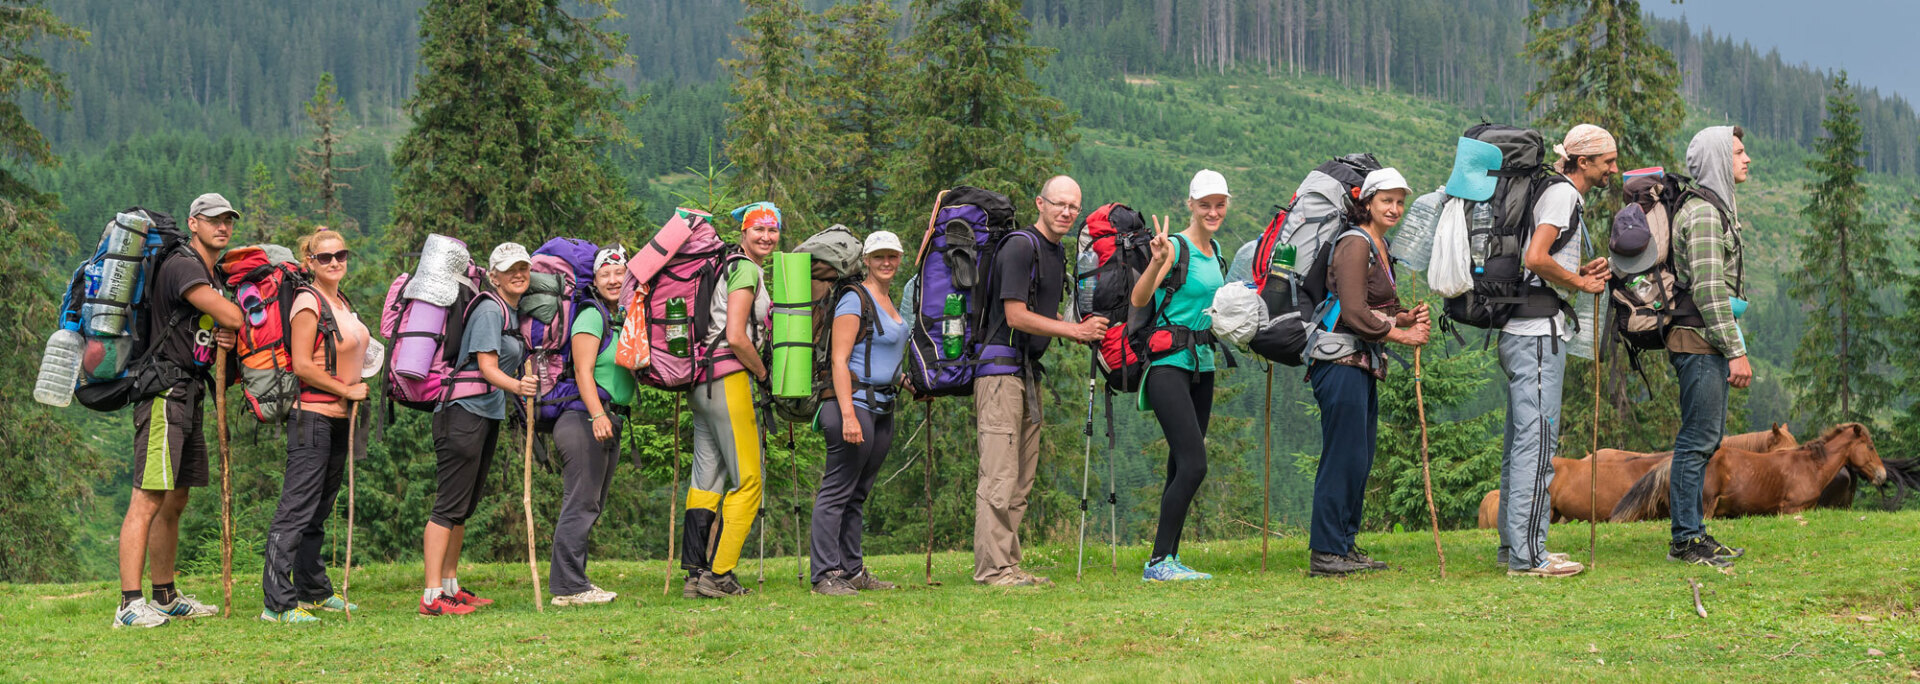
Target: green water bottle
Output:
[(677, 343), (1283, 259), (954, 329)]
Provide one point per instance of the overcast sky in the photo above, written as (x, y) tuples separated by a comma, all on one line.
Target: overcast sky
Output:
[(1872, 39)]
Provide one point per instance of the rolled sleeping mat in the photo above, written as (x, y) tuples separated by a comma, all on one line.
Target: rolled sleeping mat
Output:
[(413, 354), (443, 264), (649, 259), (792, 292)]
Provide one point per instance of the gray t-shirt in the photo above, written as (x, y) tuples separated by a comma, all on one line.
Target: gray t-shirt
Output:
[(484, 334)]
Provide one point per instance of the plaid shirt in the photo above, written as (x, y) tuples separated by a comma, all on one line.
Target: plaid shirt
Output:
[(1707, 259)]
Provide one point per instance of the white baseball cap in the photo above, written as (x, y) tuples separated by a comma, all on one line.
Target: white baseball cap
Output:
[(882, 241), (1384, 179), (506, 255), (1206, 183)]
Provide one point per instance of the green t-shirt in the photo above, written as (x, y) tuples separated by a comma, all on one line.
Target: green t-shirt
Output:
[(1187, 306), (617, 381)]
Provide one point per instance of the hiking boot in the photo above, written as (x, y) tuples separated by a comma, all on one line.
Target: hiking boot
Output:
[(1331, 565), (835, 584), (1695, 551), (442, 606), (865, 581), (1722, 550), (1169, 569), (1553, 568), (297, 616), (1016, 578), (467, 598), (139, 614), (691, 588), (1035, 580), (1357, 555), (714, 585), (184, 606), (335, 603)]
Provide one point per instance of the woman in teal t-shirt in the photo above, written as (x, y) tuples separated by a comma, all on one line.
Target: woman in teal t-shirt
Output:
[(1179, 385), (588, 434)]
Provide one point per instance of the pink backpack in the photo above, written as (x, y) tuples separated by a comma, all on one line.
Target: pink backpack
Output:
[(687, 280), (426, 376)]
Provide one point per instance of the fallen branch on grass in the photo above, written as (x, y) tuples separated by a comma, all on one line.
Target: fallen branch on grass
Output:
[(1697, 606)]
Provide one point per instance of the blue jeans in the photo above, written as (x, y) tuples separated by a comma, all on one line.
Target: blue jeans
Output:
[(1349, 423), (1703, 422)]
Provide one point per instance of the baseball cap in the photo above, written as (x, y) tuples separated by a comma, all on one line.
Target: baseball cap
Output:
[(211, 205), (1384, 179), (1206, 183), (882, 241), (506, 255)]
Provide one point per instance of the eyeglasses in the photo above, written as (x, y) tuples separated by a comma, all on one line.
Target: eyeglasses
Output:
[(325, 258), (1069, 208)]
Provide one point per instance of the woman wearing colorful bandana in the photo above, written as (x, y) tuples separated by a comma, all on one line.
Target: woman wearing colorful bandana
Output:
[(588, 432), (726, 433)]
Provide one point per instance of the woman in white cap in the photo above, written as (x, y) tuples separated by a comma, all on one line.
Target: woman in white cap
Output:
[(466, 430), (587, 433), (869, 342), (1347, 362), (328, 345), (1179, 284)]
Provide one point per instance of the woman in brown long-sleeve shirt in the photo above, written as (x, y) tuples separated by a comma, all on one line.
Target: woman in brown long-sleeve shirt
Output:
[(1347, 362)]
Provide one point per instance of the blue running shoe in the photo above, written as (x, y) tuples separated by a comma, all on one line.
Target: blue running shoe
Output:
[(1170, 570), (1196, 574)]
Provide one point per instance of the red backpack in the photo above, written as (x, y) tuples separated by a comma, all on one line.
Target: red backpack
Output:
[(265, 288)]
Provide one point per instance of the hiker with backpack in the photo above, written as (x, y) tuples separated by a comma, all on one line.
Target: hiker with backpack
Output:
[(466, 429), (1179, 382), (1026, 282), (1533, 349), (587, 432), (1348, 361), (328, 345), (187, 316), (1704, 341), (726, 427), (868, 343)]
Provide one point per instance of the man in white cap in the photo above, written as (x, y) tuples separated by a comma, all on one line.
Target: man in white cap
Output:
[(190, 316), (1029, 280), (1533, 350)]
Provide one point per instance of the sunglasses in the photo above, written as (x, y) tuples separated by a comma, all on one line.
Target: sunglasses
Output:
[(325, 258)]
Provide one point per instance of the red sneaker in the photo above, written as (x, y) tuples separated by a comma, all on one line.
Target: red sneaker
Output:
[(442, 606), (468, 599)]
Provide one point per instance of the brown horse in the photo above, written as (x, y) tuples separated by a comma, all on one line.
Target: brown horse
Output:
[(1618, 471), (1741, 482)]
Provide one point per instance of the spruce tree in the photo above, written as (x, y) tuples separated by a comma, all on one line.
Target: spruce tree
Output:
[(1845, 259), (513, 118), (857, 79), (774, 132), (1904, 334), (317, 170)]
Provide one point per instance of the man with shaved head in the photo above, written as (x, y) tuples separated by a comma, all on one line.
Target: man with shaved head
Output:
[(1029, 275)]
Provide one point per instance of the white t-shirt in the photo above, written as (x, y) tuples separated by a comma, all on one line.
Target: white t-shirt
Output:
[(1557, 207)]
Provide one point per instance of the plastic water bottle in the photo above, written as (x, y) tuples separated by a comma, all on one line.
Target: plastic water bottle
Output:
[(677, 343), (59, 368), (1480, 234), (953, 330)]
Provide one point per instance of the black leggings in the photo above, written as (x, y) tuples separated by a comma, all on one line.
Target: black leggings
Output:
[(1183, 402)]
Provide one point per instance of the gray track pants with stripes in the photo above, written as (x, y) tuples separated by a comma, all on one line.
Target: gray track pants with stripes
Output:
[(1536, 369)]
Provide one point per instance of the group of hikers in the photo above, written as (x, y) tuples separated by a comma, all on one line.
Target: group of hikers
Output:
[(869, 344)]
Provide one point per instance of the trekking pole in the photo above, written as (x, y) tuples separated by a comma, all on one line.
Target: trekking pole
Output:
[(1593, 457), (346, 578), (799, 556), (226, 482), (673, 496), (526, 496), (1086, 469), (1426, 470), (1266, 478), (1113, 497), (929, 482)]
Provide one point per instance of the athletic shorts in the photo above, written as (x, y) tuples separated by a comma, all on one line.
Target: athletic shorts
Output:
[(169, 444)]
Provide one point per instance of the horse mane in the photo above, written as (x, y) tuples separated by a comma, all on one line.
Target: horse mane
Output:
[(1834, 432)]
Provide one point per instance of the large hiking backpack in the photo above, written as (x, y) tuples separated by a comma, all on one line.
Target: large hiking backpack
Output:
[(1648, 302), (563, 270), (433, 378), (956, 258), (636, 350), (1498, 231), (686, 281), (835, 268), (1300, 307), (1115, 249), (106, 301), (265, 281)]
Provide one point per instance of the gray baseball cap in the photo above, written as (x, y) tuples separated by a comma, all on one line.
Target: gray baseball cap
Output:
[(211, 205)]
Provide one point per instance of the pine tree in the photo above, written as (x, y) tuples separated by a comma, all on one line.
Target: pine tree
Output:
[(1845, 258), (974, 114), (513, 118), (858, 80), (775, 133), (1905, 336), (317, 171)]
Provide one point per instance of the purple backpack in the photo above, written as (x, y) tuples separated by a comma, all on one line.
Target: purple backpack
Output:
[(691, 276), (550, 342), (955, 260), (401, 317)]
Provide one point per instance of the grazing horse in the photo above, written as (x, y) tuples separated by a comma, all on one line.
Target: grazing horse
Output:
[(1618, 471), (1741, 482)]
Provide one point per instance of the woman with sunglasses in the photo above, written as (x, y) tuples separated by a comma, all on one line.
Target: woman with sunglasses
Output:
[(588, 432), (328, 347)]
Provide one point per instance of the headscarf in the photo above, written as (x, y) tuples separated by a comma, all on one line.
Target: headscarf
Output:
[(1586, 140), (758, 214)]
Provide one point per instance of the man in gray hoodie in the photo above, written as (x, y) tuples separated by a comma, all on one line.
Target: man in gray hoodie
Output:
[(1705, 344)]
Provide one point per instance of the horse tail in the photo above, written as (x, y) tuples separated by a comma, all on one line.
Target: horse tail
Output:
[(1647, 497), (1903, 475)]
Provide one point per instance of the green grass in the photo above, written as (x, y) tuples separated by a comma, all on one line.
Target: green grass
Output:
[(1809, 602)]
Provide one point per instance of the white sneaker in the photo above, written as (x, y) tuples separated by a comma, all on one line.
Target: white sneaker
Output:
[(609, 596), (588, 597), (139, 614), (185, 606)]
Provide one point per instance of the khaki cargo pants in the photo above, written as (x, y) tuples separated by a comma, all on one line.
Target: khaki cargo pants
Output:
[(1009, 427)]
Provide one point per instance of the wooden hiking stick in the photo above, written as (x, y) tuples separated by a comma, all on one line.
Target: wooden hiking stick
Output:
[(1593, 457), (1426, 470), (1266, 479), (353, 432), (526, 497), (226, 482), (929, 481), (672, 497)]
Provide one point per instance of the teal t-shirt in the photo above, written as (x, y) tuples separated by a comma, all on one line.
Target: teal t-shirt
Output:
[(1187, 306), (610, 376)]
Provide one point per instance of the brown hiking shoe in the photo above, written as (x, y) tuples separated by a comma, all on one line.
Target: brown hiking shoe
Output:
[(865, 581), (834, 584), (1013, 578), (713, 585), (690, 588)]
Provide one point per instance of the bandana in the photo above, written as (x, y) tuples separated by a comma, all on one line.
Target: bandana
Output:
[(758, 215), (1586, 140)]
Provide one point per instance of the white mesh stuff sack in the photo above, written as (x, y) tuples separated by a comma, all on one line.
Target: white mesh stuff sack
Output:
[(1237, 313), (1450, 271), (443, 263)]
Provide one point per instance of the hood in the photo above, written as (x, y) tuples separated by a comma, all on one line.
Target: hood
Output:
[(1710, 161)]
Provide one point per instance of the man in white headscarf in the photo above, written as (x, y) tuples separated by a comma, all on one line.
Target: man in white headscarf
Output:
[(1707, 350)]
